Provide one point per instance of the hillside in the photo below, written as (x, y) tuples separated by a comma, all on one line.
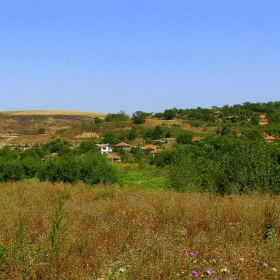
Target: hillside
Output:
[(22, 126)]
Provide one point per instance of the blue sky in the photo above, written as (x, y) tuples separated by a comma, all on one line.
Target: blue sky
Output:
[(149, 55)]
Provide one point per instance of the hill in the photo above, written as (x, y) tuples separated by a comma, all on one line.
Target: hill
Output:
[(22, 126)]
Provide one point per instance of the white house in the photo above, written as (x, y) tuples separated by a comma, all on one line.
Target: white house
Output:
[(104, 148)]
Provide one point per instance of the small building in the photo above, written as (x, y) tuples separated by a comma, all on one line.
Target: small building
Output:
[(148, 146), (269, 139), (104, 148), (263, 119), (123, 146), (113, 158), (217, 113)]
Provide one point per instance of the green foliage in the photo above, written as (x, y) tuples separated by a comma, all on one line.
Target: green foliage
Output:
[(41, 130), (132, 134), (185, 172), (31, 165), (169, 114), (12, 170), (139, 117), (110, 136), (121, 116), (184, 138), (97, 120)]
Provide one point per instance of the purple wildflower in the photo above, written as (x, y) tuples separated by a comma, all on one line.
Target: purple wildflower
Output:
[(265, 264), (208, 271), (191, 254), (241, 259), (193, 272)]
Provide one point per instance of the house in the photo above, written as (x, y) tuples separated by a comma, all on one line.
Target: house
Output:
[(155, 151), (104, 148), (217, 113), (123, 146), (269, 139), (113, 158), (148, 146), (263, 119)]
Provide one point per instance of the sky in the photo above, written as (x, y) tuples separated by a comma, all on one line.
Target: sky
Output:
[(138, 55)]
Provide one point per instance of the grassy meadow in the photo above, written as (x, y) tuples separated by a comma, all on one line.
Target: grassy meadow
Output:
[(61, 231)]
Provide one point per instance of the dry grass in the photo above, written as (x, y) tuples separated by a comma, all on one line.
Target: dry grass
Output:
[(53, 113), (133, 234)]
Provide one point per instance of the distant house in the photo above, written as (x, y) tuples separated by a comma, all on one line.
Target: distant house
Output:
[(113, 158), (155, 151), (104, 148), (162, 141), (269, 139), (123, 146), (263, 119), (148, 146), (217, 113)]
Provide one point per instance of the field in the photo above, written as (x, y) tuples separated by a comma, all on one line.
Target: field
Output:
[(60, 231)]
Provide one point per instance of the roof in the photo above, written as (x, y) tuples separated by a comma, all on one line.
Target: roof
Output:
[(148, 146), (122, 144), (267, 138), (263, 116), (110, 156), (102, 145), (218, 112), (155, 151)]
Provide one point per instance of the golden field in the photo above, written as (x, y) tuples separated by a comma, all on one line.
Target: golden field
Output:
[(60, 231)]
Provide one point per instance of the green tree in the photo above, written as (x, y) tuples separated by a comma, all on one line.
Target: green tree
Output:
[(169, 114), (41, 130), (139, 117), (184, 138)]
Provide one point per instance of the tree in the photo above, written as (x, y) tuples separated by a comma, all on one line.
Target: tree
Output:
[(169, 114), (41, 130), (184, 138), (139, 117)]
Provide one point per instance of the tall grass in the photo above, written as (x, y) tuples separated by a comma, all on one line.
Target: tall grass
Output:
[(78, 232)]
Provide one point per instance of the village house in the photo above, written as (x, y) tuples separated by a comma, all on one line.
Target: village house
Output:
[(112, 158), (104, 148), (263, 119), (123, 146), (269, 139), (148, 146)]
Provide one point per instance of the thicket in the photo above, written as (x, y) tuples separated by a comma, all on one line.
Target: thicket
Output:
[(225, 165)]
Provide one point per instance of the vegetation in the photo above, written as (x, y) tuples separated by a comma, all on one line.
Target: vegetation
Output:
[(59, 231), (204, 204)]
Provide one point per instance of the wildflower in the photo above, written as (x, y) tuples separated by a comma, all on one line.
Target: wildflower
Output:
[(265, 264), (208, 271), (193, 272), (192, 255), (241, 259)]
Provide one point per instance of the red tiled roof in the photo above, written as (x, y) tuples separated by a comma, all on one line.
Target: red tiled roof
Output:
[(269, 138), (218, 112), (110, 156), (149, 146), (122, 144)]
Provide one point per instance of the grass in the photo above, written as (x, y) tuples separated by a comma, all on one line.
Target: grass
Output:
[(53, 113), (79, 232)]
